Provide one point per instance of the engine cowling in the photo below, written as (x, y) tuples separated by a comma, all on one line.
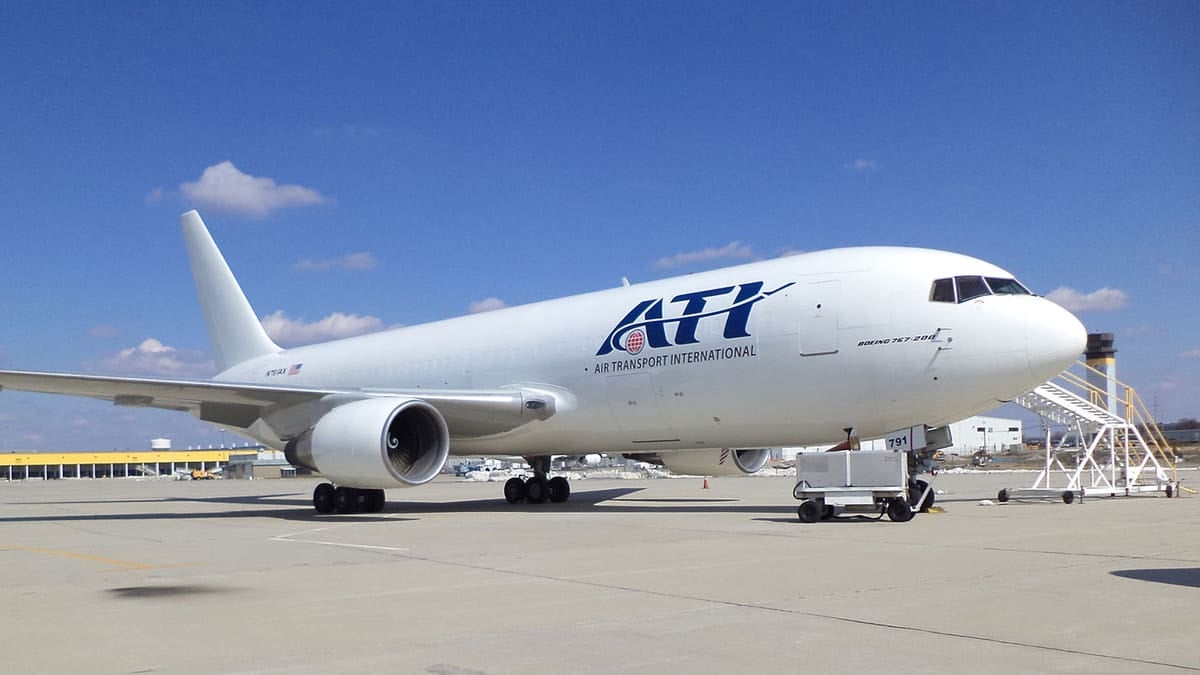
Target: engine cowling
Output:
[(715, 462), (375, 443)]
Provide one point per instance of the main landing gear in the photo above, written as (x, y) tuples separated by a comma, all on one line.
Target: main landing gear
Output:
[(539, 489), (327, 499)]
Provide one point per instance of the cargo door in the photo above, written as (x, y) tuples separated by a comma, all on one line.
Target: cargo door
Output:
[(818, 330), (637, 408)]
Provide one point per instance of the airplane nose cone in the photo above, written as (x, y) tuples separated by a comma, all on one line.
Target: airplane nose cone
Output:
[(1054, 339)]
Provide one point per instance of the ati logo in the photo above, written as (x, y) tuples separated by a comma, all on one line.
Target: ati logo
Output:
[(644, 325)]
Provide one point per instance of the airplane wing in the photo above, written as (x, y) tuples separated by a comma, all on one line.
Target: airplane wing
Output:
[(469, 413)]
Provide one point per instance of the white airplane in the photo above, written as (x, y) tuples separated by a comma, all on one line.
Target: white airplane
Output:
[(697, 373)]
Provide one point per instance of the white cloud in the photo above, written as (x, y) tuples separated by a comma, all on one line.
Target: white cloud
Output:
[(103, 331), (1102, 300), (864, 165), (156, 195), (152, 357), (350, 261), (486, 305), (291, 332), (732, 250), (223, 187)]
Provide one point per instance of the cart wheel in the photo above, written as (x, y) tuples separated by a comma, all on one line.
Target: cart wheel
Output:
[(1068, 497), (826, 512), (809, 511), (1170, 491), (899, 511), (1002, 496)]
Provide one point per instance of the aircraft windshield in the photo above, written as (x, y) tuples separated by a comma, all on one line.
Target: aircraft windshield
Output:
[(968, 287), (1007, 286)]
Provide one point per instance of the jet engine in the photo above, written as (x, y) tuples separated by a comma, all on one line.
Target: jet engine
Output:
[(375, 443), (714, 462)]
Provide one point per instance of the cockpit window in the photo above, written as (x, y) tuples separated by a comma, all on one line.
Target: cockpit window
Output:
[(970, 288), (1006, 286), (943, 291)]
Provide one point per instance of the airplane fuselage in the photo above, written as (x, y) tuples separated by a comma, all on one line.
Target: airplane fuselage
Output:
[(790, 351)]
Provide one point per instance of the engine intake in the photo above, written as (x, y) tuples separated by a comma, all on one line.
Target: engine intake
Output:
[(375, 443)]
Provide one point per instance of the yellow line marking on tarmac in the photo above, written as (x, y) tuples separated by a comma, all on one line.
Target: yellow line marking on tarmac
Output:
[(119, 564)]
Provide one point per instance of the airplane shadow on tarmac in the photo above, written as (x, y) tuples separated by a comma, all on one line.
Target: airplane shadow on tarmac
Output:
[(614, 500), (1177, 576)]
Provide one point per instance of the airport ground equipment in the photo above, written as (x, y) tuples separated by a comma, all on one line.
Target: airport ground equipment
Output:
[(1117, 453), (862, 482)]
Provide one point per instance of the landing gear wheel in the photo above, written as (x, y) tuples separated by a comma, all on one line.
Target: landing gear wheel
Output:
[(323, 498), (1068, 497), (536, 490), (374, 502), (809, 511), (558, 489), (899, 511), (1002, 496), (514, 490), (345, 500), (915, 490)]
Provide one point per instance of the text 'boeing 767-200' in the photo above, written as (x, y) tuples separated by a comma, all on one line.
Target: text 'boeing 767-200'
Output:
[(699, 373)]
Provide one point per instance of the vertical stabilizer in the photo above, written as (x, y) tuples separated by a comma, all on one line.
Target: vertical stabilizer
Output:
[(234, 331)]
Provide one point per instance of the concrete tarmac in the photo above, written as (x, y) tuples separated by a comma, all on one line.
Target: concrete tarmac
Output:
[(630, 576)]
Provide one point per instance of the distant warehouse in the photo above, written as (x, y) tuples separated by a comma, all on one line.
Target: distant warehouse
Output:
[(153, 463)]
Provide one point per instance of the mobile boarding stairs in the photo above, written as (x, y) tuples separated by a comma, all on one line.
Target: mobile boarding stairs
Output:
[(1117, 455)]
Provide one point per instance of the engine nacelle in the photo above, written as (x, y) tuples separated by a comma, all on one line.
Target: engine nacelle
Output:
[(375, 443), (715, 462)]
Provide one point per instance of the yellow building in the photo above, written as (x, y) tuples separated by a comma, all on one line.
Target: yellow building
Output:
[(47, 465)]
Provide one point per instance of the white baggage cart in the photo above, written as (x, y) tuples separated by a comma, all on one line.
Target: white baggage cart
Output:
[(858, 482)]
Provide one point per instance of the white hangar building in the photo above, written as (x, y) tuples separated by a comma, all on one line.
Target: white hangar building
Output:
[(994, 434)]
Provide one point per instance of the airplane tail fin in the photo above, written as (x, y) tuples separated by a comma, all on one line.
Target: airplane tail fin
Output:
[(234, 331)]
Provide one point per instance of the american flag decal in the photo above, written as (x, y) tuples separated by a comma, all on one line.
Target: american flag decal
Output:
[(295, 368)]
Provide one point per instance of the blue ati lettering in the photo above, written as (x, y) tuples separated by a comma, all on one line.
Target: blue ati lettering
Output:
[(645, 326)]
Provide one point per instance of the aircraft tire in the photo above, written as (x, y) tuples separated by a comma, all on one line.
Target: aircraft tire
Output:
[(809, 511), (346, 500), (536, 490), (1068, 497), (323, 498), (1002, 496), (558, 489), (375, 501), (914, 496), (514, 490)]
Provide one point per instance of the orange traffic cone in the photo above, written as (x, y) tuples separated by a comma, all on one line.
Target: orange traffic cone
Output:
[(705, 483)]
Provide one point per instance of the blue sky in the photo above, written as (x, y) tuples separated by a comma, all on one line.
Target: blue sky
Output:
[(364, 165)]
